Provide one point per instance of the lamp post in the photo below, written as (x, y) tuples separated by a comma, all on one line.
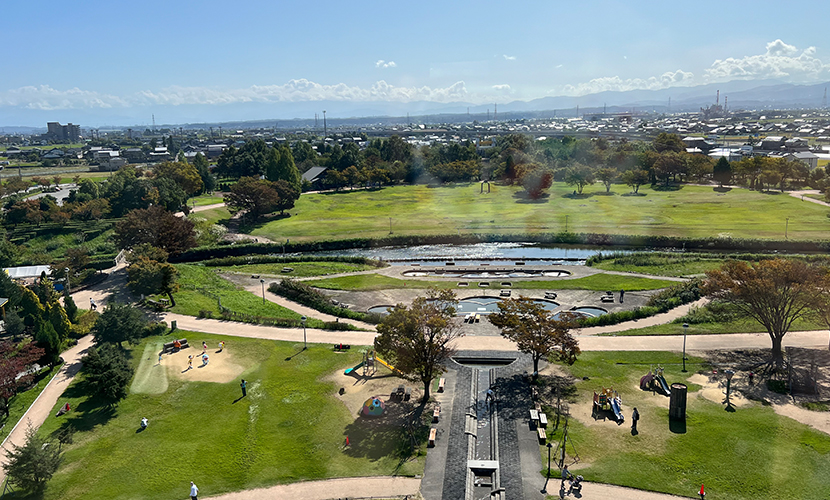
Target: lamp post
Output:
[(685, 329), (786, 227), (262, 282), (66, 274), (545, 487), (729, 374), (305, 344)]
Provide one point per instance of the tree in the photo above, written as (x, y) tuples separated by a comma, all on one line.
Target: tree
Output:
[(48, 340), (579, 175), (14, 324), (148, 277), (30, 466), (536, 181), (417, 339), (256, 197), (119, 322), (286, 194), (280, 167), (108, 372), (70, 307), (668, 142), (535, 331), (774, 292), (14, 361), (635, 178), (722, 172), (158, 227), (607, 175), (203, 168)]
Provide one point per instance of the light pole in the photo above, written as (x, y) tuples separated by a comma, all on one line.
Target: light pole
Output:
[(66, 274), (685, 329), (786, 227), (305, 344), (729, 374), (545, 487), (262, 282)]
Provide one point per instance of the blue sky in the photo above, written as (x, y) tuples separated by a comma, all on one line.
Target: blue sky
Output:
[(109, 59)]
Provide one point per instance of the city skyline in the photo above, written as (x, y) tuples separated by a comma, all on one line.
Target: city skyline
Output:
[(99, 61)]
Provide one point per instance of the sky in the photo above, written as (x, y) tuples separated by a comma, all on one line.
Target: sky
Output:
[(100, 60)]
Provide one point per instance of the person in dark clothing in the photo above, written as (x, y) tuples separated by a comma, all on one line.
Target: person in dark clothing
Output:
[(622, 296), (634, 418), (244, 386)]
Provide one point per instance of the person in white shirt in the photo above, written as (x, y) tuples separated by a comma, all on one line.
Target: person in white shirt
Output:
[(194, 491)]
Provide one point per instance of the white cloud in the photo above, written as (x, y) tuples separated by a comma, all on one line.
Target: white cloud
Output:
[(502, 87), (780, 60), (509, 58), (46, 98), (615, 83), (384, 64)]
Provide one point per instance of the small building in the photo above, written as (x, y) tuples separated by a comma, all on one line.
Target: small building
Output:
[(314, 175), (796, 144), (134, 155), (772, 143), (805, 157)]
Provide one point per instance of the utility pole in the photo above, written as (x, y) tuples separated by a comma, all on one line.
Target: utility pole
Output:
[(325, 128)]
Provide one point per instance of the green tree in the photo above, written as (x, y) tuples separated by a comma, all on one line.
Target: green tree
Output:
[(30, 466), (14, 323), (149, 277), (256, 197), (535, 331), (579, 175), (59, 319), (635, 178), (70, 307), (157, 227), (668, 142), (536, 181), (607, 176), (31, 306), (417, 339), (722, 172), (108, 372), (287, 170), (119, 322), (48, 340), (183, 174), (203, 168)]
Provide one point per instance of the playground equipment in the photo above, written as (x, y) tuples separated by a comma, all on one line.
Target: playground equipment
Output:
[(654, 381), (608, 399), (368, 364), (373, 407), (384, 363)]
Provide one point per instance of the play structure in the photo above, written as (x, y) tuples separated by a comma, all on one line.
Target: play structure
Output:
[(368, 364), (373, 407), (607, 399), (654, 381)]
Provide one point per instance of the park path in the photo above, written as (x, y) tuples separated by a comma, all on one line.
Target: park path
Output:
[(800, 194), (657, 319), (349, 487), (42, 407), (307, 311)]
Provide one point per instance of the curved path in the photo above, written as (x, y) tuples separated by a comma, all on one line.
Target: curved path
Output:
[(40, 410), (800, 194)]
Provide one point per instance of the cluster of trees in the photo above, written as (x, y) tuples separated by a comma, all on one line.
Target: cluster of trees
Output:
[(257, 197)]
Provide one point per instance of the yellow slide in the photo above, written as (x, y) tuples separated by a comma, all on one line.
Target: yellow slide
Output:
[(384, 363)]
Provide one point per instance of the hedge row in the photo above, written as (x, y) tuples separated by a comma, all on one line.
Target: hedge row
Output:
[(668, 299), (582, 239), (647, 258), (301, 293), (274, 259)]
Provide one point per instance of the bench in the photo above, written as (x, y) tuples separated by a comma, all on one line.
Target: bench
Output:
[(506, 283), (543, 420), (483, 284), (607, 298), (432, 433), (504, 293), (441, 384), (469, 318), (168, 347), (342, 347), (255, 276), (478, 318), (288, 269), (542, 436), (534, 415), (550, 295), (463, 284), (436, 413)]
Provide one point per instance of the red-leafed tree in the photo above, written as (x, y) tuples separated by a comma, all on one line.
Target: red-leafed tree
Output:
[(14, 360)]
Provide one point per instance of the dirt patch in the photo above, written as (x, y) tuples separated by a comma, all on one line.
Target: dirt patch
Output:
[(715, 390), (221, 367), (357, 388), (815, 419)]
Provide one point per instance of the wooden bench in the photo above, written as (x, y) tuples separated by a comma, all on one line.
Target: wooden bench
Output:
[(484, 284), (550, 295), (506, 283), (441, 384), (408, 394), (543, 420), (542, 436), (436, 413), (463, 284), (608, 297), (342, 347), (478, 318), (432, 433), (504, 293), (169, 347), (534, 415)]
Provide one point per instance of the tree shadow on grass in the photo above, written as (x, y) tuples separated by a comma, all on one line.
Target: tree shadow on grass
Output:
[(581, 196), (634, 194), (525, 197), (91, 412), (397, 433), (670, 187), (721, 189)]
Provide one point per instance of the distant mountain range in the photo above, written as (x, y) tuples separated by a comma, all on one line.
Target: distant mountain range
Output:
[(740, 94)]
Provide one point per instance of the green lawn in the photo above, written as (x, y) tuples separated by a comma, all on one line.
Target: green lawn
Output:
[(691, 211), (190, 301), (290, 428), (205, 199), (300, 269), (678, 266), (216, 215), (749, 454), (736, 326), (20, 403), (598, 282)]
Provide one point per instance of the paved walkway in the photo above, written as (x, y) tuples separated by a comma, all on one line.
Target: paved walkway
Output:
[(800, 194), (40, 410), (350, 487), (657, 319)]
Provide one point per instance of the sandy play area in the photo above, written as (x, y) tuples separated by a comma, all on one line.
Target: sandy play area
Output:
[(359, 388), (152, 377)]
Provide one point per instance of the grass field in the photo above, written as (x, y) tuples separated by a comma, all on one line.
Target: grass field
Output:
[(596, 282), (216, 215), (691, 211), (300, 269), (189, 301), (290, 428), (736, 326), (676, 265), (205, 199), (748, 454)]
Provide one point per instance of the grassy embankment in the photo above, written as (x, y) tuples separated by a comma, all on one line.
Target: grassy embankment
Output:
[(691, 211), (290, 428), (747, 454)]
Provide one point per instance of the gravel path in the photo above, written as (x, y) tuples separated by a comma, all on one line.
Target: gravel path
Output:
[(350, 487)]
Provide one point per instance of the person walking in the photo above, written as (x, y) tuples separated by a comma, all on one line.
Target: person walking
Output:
[(634, 418), (160, 357), (244, 386), (566, 474), (221, 346), (190, 362), (622, 296), (194, 491)]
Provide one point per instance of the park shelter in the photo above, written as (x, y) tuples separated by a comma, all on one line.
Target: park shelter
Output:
[(23, 272)]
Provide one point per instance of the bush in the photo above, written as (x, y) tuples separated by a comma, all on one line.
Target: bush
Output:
[(676, 295), (308, 296), (779, 386), (273, 259), (205, 313)]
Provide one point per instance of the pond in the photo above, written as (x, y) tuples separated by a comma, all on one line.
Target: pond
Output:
[(474, 305)]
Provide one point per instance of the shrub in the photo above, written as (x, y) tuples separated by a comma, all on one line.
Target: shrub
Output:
[(779, 386), (205, 313), (308, 296)]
